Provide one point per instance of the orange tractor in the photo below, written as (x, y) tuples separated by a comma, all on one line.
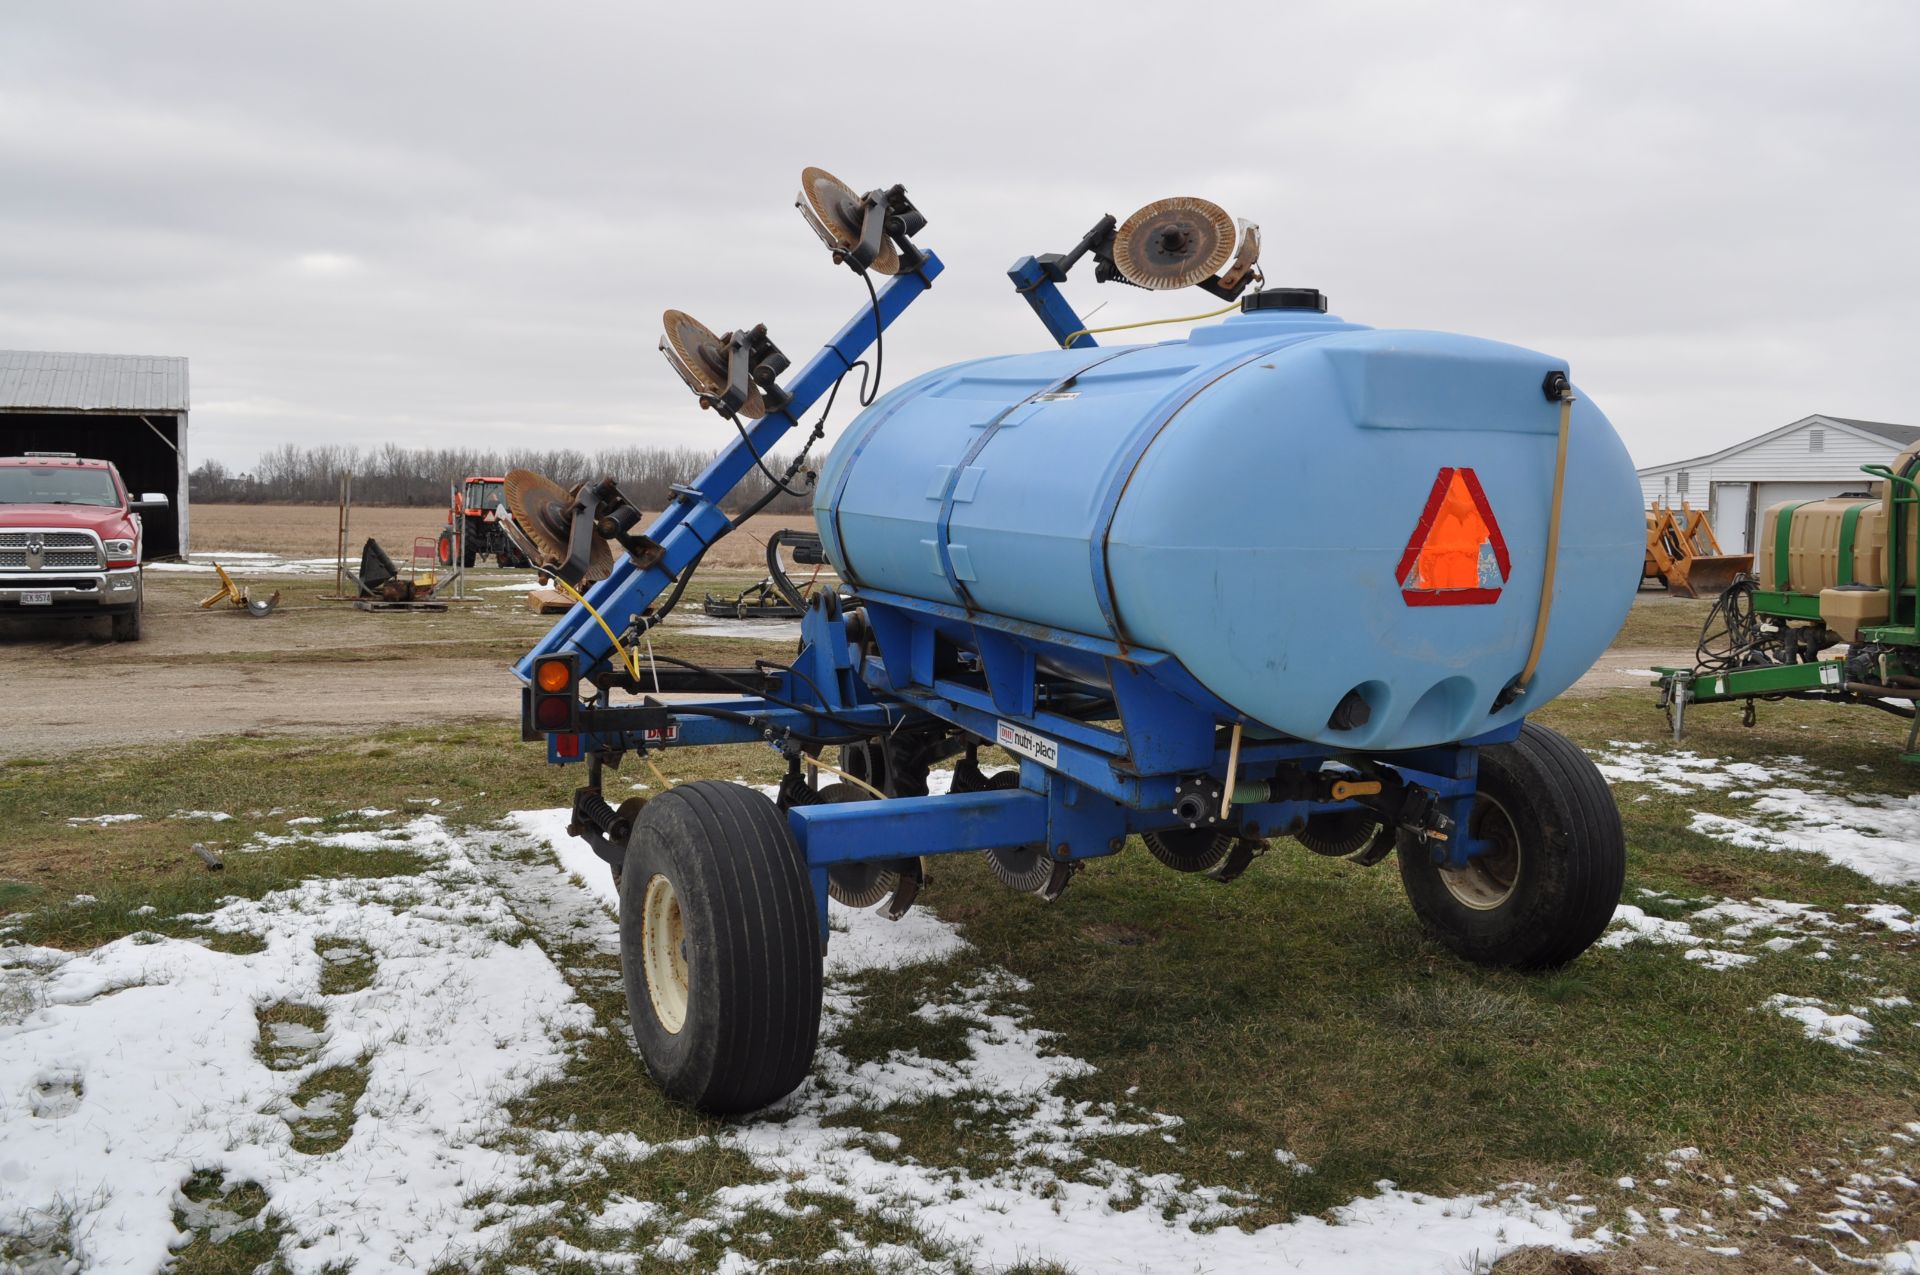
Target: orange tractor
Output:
[(1684, 554), (474, 527)]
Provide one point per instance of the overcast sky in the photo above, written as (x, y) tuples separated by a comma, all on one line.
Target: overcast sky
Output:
[(434, 223)]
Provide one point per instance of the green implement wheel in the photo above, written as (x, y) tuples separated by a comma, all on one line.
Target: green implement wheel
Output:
[(1550, 883), (720, 948)]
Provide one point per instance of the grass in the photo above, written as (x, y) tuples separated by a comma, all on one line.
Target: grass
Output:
[(347, 966), (1662, 622), (231, 1231), (169, 896), (326, 1101), (1300, 1008), (477, 772)]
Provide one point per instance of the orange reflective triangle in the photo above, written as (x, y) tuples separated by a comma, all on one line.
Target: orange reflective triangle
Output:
[(1456, 555)]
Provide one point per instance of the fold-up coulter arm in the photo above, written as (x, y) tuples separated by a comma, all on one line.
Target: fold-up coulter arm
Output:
[(694, 519)]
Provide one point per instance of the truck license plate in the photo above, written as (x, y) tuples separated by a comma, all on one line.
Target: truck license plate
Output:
[(36, 598)]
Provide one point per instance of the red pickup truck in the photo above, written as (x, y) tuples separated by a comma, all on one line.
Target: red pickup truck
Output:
[(70, 540)]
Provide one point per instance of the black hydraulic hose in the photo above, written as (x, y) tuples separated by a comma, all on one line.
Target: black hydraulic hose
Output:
[(778, 574), (869, 393), (761, 723), (652, 619), (778, 486), (865, 730)]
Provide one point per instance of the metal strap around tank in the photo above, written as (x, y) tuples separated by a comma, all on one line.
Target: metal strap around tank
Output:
[(945, 517), (1849, 525), (1170, 407), (1782, 540)]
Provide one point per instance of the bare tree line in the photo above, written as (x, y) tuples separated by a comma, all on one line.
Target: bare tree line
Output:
[(420, 476)]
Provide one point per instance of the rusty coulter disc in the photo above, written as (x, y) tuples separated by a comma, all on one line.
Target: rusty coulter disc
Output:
[(833, 210), (543, 510), (1173, 243), (700, 358)]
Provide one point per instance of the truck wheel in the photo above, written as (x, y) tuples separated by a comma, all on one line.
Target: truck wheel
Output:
[(446, 548), (469, 552), (126, 625), (1550, 884), (720, 947)]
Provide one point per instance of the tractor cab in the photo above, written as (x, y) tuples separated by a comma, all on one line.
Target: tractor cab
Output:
[(473, 529), (480, 498)]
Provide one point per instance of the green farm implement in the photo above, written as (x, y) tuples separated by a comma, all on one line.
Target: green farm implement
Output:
[(1833, 575)]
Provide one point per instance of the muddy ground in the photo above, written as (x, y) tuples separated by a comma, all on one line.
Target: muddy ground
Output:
[(320, 665)]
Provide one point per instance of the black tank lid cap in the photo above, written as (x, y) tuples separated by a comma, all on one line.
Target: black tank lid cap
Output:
[(1284, 299)]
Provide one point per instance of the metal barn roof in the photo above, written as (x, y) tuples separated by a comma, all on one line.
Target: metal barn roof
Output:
[(1902, 434), (1879, 432), (32, 380)]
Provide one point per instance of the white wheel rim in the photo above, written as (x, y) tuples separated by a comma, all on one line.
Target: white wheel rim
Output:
[(663, 953), (1489, 879)]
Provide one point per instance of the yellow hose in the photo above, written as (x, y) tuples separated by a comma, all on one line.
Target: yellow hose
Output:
[(1147, 323), (629, 658), (835, 770), (1553, 549)]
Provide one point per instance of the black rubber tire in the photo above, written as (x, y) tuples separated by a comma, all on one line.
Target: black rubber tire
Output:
[(1572, 859), (445, 550), (469, 551), (126, 625), (752, 947)]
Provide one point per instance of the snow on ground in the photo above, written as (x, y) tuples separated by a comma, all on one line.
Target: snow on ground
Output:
[(96, 1139), (1054, 1200), (1821, 1022), (1876, 836), (1730, 933), (1733, 933), (1890, 916), (1858, 1198), (766, 630), (1680, 771), (125, 1070), (253, 564)]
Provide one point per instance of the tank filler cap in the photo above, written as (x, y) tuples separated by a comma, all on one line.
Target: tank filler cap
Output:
[(1284, 299)]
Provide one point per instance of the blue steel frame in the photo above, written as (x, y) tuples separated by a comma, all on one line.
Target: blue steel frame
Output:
[(1060, 318), (1102, 781), (694, 520)]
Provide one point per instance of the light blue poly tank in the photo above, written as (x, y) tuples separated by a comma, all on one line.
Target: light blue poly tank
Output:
[(1292, 506)]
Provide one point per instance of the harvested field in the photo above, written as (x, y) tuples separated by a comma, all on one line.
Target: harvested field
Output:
[(311, 531)]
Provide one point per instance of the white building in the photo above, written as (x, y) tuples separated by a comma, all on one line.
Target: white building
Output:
[(1810, 459)]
